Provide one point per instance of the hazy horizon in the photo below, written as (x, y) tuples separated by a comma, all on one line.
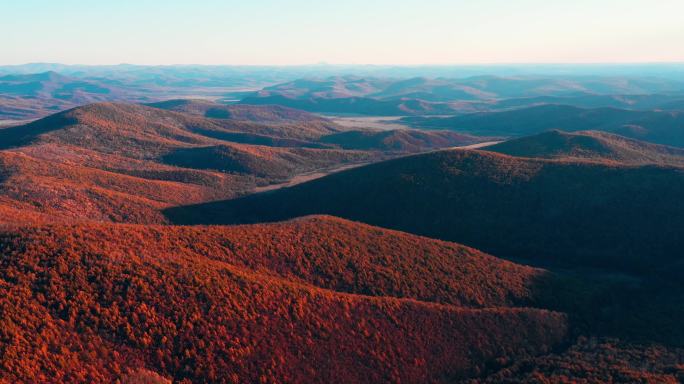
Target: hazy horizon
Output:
[(387, 65), (303, 32)]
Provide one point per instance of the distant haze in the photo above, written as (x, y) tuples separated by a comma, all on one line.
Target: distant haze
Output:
[(287, 32)]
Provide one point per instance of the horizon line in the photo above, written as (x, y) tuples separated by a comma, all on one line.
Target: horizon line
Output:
[(324, 64)]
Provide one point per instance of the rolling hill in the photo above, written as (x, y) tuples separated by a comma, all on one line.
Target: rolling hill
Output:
[(590, 145), (98, 303), (660, 127), (320, 132), (310, 125), (402, 140), (516, 208), (124, 162), (56, 182), (142, 127)]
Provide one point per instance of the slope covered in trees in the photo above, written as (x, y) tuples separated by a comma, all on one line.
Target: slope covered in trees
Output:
[(145, 130), (590, 145), (306, 123), (68, 183), (597, 361), (400, 140), (124, 162), (94, 303), (314, 131)]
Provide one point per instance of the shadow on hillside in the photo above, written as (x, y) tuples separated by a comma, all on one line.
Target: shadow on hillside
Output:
[(614, 254), (600, 303), (229, 212), (24, 134), (641, 308), (615, 218)]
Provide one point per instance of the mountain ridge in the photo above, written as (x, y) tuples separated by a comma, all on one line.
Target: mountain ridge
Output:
[(592, 146)]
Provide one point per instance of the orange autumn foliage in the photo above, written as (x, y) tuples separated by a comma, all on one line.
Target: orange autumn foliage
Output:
[(87, 303)]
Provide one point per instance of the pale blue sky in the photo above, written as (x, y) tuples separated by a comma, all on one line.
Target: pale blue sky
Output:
[(340, 31)]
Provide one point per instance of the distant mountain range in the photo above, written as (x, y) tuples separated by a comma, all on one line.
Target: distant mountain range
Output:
[(25, 94), (423, 96), (672, 71), (33, 95)]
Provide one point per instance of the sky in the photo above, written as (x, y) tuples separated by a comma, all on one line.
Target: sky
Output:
[(292, 32)]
